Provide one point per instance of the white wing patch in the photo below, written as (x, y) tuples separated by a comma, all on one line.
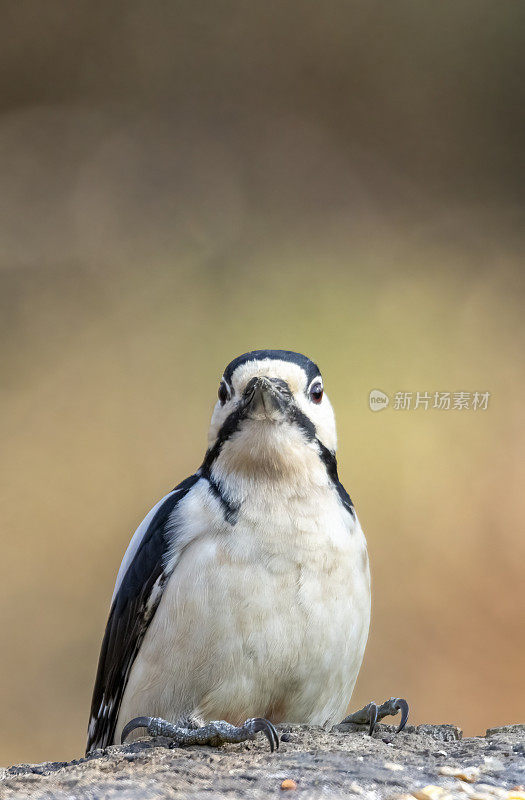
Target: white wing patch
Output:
[(135, 542)]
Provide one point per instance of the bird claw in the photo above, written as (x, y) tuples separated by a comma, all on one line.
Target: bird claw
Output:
[(401, 705), (214, 733), (371, 713), (138, 722), (264, 725), (373, 717)]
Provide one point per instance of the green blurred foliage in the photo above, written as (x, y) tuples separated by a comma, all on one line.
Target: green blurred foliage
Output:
[(182, 182)]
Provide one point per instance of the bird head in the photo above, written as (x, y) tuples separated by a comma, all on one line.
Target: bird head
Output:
[(272, 416)]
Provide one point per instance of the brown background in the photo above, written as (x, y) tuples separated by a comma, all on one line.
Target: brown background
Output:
[(184, 181)]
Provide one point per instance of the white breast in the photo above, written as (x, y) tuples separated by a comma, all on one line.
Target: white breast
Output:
[(266, 618)]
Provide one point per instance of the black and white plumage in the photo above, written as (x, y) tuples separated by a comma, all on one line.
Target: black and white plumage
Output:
[(138, 591), (245, 592)]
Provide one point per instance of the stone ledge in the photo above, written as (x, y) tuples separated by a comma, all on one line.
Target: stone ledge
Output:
[(428, 762)]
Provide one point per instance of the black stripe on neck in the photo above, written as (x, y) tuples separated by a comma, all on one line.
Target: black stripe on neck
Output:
[(229, 427), (231, 510), (299, 418), (329, 460)]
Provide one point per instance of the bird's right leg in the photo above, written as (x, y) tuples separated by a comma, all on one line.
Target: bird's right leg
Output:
[(372, 713), (213, 733)]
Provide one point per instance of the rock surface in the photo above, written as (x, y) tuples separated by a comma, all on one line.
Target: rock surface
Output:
[(430, 762)]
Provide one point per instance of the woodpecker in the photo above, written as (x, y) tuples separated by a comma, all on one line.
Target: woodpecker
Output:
[(243, 599)]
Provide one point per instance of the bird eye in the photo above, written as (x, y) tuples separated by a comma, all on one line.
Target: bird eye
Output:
[(223, 393), (316, 392)]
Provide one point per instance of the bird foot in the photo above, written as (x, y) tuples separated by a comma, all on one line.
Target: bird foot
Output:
[(372, 713), (213, 733)]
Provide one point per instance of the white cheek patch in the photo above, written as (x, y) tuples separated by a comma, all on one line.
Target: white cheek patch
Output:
[(220, 412)]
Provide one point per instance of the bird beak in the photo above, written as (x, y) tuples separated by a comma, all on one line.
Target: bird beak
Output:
[(266, 397)]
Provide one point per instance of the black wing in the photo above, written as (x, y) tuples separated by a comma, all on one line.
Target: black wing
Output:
[(131, 612)]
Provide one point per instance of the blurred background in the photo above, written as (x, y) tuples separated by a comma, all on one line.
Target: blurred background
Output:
[(185, 181)]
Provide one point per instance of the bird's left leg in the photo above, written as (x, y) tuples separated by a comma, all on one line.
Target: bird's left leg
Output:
[(212, 733), (372, 713)]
